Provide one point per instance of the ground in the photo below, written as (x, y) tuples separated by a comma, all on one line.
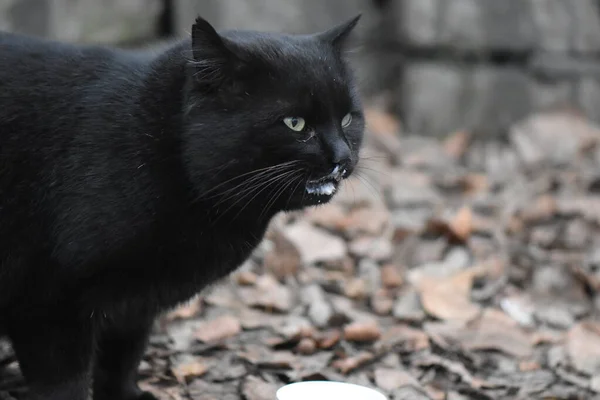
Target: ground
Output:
[(454, 269)]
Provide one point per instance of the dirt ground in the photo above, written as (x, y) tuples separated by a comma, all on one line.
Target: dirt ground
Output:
[(455, 269)]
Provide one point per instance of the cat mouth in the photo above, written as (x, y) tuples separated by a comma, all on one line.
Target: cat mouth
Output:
[(327, 185)]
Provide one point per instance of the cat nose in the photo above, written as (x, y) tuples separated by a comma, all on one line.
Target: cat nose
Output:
[(341, 157)]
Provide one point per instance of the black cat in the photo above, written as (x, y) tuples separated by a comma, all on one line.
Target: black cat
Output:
[(131, 181)]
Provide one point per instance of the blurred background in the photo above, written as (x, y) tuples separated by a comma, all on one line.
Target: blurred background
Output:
[(442, 65), (461, 261)]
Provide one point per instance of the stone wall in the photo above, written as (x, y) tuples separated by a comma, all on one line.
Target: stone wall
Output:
[(478, 65)]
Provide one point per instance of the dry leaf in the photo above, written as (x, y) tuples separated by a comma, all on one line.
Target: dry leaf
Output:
[(186, 311), (362, 332), (306, 346), (392, 379), (218, 329), (449, 298), (462, 224), (494, 330), (246, 278), (348, 365), (457, 144), (583, 347), (314, 244), (391, 277), (329, 339), (188, 370), (255, 388), (284, 259)]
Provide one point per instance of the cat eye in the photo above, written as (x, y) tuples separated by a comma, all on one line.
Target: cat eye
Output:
[(347, 121), (295, 123)]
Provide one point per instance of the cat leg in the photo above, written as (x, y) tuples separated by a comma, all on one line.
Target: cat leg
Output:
[(120, 350), (54, 356)]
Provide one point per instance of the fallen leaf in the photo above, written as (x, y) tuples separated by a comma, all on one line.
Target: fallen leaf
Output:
[(268, 294), (362, 332), (355, 288), (391, 277), (255, 388), (189, 369), (187, 311), (457, 144), (314, 244), (382, 303), (391, 379), (462, 224), (218, 329), (246, 278), (284, 259), (329, 339), (494, 330), (376, 249), (347, 365), (583, 347), (306, 346), (449, 298)]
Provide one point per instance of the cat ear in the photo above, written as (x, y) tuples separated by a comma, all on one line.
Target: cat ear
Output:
[(337, 35), (214, 56)]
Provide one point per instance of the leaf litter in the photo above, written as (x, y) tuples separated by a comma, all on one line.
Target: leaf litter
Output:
[(462, 269)]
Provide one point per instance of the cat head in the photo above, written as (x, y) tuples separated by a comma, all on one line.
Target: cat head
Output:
[(275, 117)]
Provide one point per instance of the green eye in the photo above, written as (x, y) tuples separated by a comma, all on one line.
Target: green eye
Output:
[(347, 120), (295, 123)]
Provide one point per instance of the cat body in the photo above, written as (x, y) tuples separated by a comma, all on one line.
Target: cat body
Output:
[(129, 181)]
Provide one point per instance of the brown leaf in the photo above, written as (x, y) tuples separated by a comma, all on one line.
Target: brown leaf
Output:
[(329, 339), (284, 260), (366, 221), (306, 346), (186, 311), (382, 303), (362, 332), (462, 224), (449, 298), (355, 288), (255, 388), (391, 277), (314, 244), (268, 294), (583, 347), (457, 144), (188, 370), (218, 329), (347, 365), (377, 249), (494, 330), (411, 339), (392, 379), (246, 278)]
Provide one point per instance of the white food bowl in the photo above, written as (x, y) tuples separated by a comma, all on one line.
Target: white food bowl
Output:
[(325, 390)]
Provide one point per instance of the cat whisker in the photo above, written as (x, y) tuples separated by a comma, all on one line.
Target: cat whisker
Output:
[(214, 188), (274, 198), (375, 192), (260, 188), (226, 195)]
